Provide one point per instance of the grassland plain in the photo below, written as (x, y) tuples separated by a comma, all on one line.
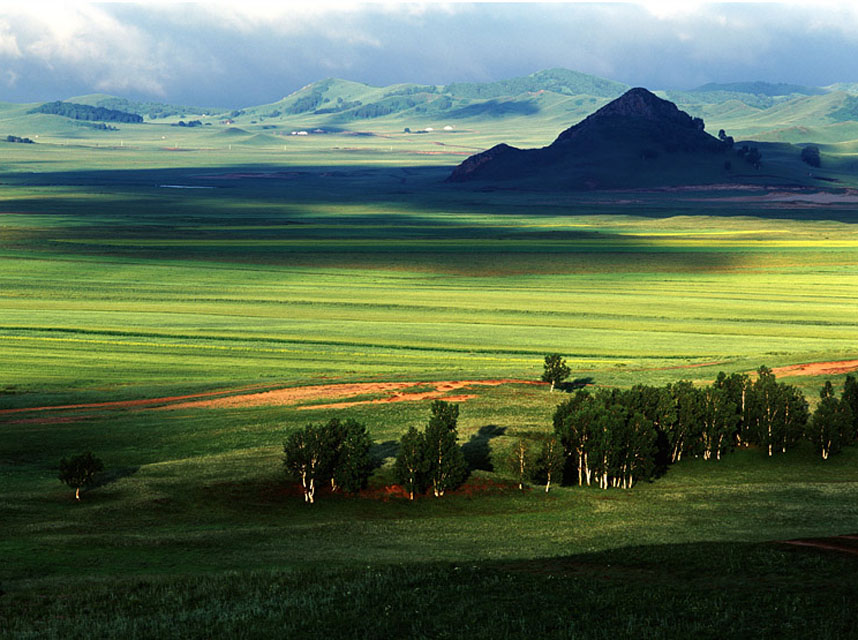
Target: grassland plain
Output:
[(360, 266)]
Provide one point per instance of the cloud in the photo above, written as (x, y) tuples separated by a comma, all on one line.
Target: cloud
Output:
[(8, 42), (250, 53)]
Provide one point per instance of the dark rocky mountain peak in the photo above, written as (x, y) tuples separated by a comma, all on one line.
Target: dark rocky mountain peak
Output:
[(638, 105), (641, 103), (636, 127)]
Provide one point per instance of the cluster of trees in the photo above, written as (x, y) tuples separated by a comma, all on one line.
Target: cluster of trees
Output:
[(835, 421), (189, 123), (18, 139), (98, 126), (337, 452), (727, 140), (86, 112), (341, 105), (751, 155), (616, 437), (432, 458)]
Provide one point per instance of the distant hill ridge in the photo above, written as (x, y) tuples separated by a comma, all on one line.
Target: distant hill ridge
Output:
[(761, 88), (533, 106)]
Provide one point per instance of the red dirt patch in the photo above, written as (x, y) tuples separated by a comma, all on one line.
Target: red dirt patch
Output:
[(817, 368), (842, 544), (290, 396), (297, 395), (397, 397)]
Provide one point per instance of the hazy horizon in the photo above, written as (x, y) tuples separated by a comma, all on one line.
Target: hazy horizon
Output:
[(217, 55)]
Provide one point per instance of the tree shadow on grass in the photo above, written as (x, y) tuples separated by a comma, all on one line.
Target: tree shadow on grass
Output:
[(112, 475), (574, 385), (476, 450)]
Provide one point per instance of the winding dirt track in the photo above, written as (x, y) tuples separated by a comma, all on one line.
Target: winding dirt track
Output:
[(290, 396), (128, 404), (392, 392)]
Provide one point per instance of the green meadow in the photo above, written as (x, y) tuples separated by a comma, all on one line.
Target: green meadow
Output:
[(131, 271)]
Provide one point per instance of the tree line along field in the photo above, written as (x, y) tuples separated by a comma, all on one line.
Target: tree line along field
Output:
[(115, 288)]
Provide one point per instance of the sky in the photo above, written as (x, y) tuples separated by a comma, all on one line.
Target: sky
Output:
[(218, 54)]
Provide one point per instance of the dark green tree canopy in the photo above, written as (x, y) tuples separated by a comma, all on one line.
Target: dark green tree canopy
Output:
[(86, 112), (79, 471), (555, 369)]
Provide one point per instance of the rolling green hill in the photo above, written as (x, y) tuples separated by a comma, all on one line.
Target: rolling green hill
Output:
[(526, 111)]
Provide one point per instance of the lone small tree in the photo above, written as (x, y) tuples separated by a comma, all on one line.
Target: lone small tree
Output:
[(79, 471), (555, 369)]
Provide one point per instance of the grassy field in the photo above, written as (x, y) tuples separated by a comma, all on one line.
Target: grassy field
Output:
[(321, 265)]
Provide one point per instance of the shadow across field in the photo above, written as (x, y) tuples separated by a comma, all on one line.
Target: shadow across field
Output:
[(477, 451), (420, 189), (337, 217)]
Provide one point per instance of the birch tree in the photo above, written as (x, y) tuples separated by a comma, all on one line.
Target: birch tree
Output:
[(574, 427), (352, 464), (719, 420), (304, 458), (766, 409), (737, 386), (410, 465), (683, 433), (549, 464), (519, 461), (445, 463), (831, 425)]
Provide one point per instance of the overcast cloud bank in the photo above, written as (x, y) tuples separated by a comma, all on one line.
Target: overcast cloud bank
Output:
[(218, 55)]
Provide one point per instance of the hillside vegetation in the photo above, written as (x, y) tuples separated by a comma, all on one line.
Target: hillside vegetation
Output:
[(538, 104)]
